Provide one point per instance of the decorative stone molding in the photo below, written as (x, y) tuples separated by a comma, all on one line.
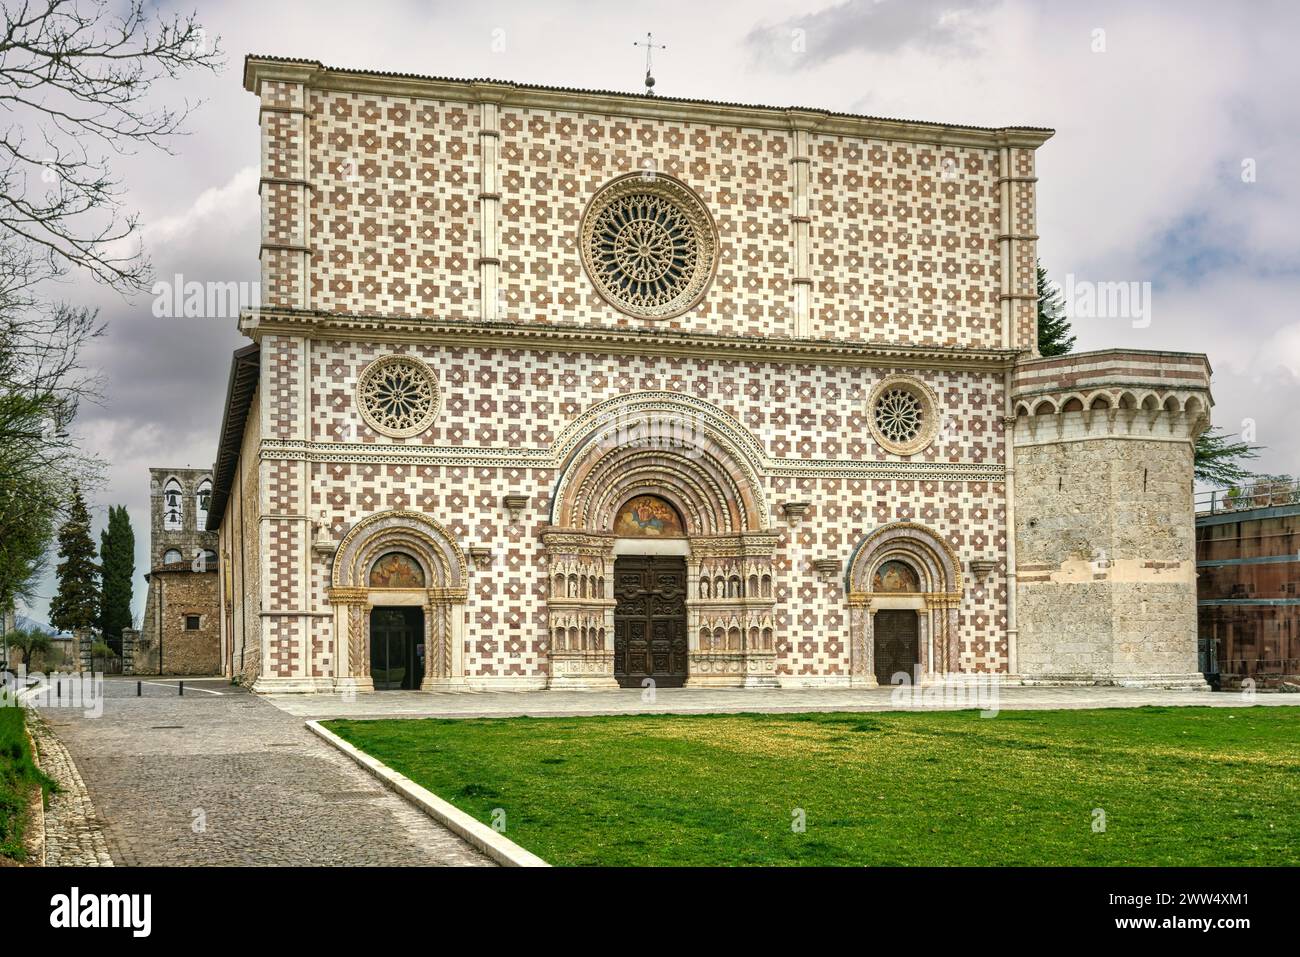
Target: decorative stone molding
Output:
[(794, 511), (515, 505), (827, 568), (564, 337), (980, 567), (481, 556)]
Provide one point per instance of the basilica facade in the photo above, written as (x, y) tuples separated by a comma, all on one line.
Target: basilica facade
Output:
[(561, 388)]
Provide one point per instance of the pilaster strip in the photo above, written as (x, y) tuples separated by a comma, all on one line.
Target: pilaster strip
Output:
[(489, 205), (802, 222)]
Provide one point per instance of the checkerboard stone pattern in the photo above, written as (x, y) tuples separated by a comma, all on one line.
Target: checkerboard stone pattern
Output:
[(375, 205), (507, 400), (371, 205)]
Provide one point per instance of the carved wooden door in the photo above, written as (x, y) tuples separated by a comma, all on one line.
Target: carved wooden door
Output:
[(896, 644), (650, 620)]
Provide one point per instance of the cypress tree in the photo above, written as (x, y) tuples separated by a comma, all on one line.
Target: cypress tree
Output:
[(117, 560), (76, 605), (1054, 337)]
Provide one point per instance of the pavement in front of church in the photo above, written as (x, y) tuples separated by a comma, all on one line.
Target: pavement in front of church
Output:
[(220, 776), (987, 697)]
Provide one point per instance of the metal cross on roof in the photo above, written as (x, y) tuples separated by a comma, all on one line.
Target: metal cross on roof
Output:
[(650, 46)]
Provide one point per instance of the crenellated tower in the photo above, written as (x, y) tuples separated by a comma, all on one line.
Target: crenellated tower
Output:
[(1105, 541)]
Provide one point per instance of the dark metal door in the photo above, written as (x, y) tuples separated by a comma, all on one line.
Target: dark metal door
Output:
[(896, 644), (650, 620), (396, 648)]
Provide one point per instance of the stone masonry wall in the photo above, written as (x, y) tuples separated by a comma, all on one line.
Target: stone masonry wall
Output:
[(173, 649), (1106, 558)]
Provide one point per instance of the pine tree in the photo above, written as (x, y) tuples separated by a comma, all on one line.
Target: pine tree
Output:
[(76, 605), (117, 561), (1217, 459), (1054, 337)]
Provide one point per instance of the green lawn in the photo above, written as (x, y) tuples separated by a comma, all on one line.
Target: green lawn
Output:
[(1188, 786), (19, 777)]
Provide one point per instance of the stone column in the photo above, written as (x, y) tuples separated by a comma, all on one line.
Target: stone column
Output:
[(489, 205), (351, 654), (444, 651)]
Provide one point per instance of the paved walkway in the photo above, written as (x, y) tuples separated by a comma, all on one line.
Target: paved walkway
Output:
[(220, 776), (74, 833), (468, 704)]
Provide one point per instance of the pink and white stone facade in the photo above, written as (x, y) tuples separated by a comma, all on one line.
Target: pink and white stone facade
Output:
[(439, 220)]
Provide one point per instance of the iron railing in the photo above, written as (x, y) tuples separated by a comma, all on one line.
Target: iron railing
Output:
[(1263, 494)]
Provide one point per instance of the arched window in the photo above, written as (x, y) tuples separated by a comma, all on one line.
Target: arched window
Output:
[(202, 501), (172, 509), (172, 555)]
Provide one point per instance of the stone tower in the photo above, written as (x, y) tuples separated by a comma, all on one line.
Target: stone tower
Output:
[(1105, 544), (180, 610), (178, 503)]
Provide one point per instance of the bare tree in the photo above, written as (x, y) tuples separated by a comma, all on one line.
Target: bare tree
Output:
[(75, 82), (76, 88)]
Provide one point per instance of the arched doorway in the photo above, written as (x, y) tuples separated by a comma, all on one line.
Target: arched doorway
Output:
[(654, 485), (650, 591), (399, 590), (904, 588)]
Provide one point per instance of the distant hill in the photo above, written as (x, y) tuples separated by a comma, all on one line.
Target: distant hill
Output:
[(22, 621)]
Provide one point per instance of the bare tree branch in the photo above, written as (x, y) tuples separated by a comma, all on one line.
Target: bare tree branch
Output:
[(76, 78)]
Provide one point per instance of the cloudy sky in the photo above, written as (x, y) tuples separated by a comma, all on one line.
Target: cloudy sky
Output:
[(1159, 110)]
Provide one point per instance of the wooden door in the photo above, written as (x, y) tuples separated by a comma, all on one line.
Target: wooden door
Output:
[(897, 644), (650, 620)]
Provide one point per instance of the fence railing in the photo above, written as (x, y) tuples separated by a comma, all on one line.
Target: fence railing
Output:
[(1266, 494)]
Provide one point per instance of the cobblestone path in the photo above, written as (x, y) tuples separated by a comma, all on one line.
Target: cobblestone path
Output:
[(74, 834), (226, 778)]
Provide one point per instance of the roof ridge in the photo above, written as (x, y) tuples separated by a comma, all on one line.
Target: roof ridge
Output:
[(659, 98)]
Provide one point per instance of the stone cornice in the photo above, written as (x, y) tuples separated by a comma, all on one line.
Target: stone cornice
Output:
[(384, 453), (615, 341), (315, 75)]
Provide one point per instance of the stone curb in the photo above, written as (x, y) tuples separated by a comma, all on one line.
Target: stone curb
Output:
[(74, 834), (34, 840), (500, 849)]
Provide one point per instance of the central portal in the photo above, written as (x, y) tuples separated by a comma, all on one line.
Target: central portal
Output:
[(650, 620)]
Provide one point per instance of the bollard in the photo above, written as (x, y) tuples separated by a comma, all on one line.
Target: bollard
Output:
[(182, 687), (138, 690), (58, 689)]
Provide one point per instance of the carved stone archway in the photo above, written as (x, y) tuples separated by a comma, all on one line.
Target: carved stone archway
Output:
[(936, 600), (442, 596), (702, 462)]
